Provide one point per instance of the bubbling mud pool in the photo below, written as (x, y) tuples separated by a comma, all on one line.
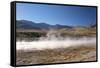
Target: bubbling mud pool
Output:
[(51, 44)]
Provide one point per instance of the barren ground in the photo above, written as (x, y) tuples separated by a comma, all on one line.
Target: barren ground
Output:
[(59, 55)]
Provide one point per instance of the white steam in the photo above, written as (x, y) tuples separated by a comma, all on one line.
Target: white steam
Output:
[(54, 40)]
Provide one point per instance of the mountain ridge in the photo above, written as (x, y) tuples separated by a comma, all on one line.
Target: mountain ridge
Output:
[(25, 24)]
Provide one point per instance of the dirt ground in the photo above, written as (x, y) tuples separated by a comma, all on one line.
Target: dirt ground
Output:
[(59, 55)]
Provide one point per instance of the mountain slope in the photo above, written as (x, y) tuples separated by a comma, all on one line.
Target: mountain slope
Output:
[(25, 24)]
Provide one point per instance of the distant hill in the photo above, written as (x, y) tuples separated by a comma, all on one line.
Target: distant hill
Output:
[(25, 24), (93, 26)]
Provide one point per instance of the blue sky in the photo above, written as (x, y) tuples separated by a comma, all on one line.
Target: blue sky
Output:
[(55, 14)]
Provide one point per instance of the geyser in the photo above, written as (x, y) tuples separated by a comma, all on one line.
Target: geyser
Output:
[(54, 40)]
